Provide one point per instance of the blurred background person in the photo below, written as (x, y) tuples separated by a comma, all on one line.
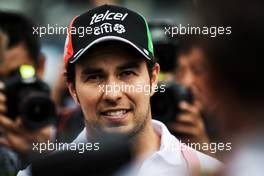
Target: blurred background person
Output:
[(18, 127), (184, 71), (231, 83), (6, 156), (179, 106), (70, 117)]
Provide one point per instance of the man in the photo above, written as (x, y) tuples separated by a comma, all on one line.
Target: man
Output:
[(198, 123), (22, 48), (187, 125), (119, 54), (231, 83)]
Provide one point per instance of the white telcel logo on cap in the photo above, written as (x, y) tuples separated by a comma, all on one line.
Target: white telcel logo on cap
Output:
[(108, 16), (107, 27)]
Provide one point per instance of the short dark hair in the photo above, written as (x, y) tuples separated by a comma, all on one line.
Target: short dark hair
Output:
[(70, 68), (19, 30)]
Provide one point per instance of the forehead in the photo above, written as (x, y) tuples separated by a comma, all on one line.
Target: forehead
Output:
[(110, 54)]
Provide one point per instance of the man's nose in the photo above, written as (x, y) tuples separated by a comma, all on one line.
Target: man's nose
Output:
[(113, 91), (188, 80)]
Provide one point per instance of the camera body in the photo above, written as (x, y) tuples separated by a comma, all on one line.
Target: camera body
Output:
[(28, 97), (165, 104)]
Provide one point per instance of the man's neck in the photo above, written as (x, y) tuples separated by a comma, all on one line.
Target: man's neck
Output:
[(146, 142)]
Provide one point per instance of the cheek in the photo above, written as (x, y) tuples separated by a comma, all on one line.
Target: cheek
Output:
[(88, 98), (141, 94), (200, 83), (141, 102), (212, 94), (202, 89)]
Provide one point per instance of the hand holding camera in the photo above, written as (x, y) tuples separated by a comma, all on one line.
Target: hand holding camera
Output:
[(189, 124), (26, 111)]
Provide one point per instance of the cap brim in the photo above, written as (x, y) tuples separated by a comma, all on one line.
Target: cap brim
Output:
[(109, 38)]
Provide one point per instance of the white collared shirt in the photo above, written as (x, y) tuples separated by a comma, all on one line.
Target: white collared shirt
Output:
[(168, 160)]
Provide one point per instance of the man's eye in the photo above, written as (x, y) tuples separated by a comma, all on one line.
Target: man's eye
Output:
[(127, 73), (94, 77)]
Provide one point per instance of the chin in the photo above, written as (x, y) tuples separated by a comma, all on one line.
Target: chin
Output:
[(118, 129)]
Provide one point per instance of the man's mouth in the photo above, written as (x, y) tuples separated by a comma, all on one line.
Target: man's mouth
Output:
[(115, 114)]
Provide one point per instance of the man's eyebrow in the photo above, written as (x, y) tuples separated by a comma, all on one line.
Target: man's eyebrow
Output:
[(91, 70), (129, 65)]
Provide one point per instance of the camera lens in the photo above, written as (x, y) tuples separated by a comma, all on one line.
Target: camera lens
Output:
[(37, 110)]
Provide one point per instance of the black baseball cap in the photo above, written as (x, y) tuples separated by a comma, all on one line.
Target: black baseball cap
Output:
[(107, 23)]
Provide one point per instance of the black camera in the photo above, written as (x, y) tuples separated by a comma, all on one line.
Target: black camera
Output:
[(28, 97), (165, 102)]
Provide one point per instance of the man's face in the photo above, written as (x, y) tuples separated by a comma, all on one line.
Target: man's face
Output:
[(118, 110), (190, 74), (14, 57), (183, 72), (196, 75)]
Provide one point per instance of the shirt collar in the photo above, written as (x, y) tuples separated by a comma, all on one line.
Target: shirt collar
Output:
[(170, 147)]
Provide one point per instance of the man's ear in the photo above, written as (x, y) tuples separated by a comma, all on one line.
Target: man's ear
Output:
[(41, 66), (72, 90), (155, 77)]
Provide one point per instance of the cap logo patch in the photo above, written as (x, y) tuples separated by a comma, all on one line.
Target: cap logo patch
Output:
[(107, 16), (107, 27)]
